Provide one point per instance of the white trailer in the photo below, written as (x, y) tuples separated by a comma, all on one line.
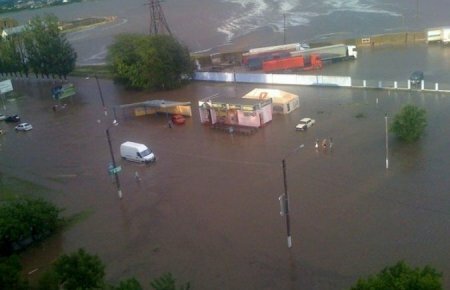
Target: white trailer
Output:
[(330, 53), (446, 35), (283, 47), (441, 34)]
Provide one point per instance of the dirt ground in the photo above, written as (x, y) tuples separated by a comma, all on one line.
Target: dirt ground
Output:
[(208, 209)]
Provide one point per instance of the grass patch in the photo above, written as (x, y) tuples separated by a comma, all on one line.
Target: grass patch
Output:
[(12, 187), (102, 71)]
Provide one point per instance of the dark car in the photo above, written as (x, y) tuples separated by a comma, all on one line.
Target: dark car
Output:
[(416, 77), (12, 119)]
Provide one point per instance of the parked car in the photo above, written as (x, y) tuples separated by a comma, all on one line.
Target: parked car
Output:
[(416, 77), (2, 117), (24, 127), (12, 119), (304, 124), (178, 119)]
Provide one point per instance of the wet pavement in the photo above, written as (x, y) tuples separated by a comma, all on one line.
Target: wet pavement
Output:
[(208, 209)]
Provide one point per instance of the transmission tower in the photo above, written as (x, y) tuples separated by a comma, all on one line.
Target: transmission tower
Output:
[(158, 23)]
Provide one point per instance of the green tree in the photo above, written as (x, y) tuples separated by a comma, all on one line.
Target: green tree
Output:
[(402, 277), (167, 282), (10, 274), (149, 62), (80, 270), (410, 123), (25, 221), (7, 60), (48, 51)]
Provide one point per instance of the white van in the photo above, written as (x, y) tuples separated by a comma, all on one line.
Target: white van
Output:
[(136, 152)]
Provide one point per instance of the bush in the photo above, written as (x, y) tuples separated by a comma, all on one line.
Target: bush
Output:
[(410, 123)]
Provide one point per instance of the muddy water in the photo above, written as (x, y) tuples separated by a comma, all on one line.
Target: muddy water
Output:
[(208, 210)]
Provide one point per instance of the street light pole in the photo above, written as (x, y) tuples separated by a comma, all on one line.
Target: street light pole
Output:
[(387, 140), (101, 95), (286, 198), (119, 190), (284, 28)]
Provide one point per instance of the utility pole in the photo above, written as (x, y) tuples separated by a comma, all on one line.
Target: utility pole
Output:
[(114, 167), (285, 198), (417, 10), (101, 96), (284, 28), (387, 140), (286, 206)]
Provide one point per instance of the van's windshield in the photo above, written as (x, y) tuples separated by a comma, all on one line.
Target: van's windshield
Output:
[(145, 152)]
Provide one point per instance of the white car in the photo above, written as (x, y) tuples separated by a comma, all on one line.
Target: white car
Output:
[(2, 117), (304, 124), (24, 127)]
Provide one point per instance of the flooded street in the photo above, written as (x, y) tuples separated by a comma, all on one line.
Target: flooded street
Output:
[(208, 209)]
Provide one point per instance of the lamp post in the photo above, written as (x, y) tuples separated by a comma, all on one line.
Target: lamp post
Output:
[(387, 140), (119, 190), (101, 95), (286, 198)]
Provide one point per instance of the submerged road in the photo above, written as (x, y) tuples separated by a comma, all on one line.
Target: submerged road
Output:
[(208, 210)]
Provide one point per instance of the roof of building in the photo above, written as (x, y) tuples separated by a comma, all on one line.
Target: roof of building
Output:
[(277, 96), (234, 103), (156, 104)]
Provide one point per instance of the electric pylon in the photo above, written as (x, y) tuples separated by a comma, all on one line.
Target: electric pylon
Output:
[(158, 23)]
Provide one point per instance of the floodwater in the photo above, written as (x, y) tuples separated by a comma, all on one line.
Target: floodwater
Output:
[(208, 209)]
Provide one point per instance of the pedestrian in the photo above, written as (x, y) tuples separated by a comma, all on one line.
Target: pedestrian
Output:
[(54, 108), (324, 144), (136, 175), (331, 143), (317, 144)]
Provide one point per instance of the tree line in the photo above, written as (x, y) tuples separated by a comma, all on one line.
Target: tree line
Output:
[(40, 48)]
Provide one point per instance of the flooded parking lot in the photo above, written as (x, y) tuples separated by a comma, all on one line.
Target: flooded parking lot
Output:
[(208, 209)]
